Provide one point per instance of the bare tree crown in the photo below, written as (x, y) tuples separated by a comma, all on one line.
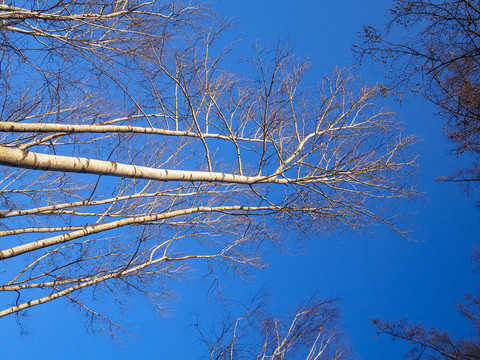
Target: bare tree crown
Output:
[(129, 150), (432, 48)]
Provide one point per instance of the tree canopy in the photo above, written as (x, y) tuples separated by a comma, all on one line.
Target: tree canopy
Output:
[(130, 149), (432, 48)]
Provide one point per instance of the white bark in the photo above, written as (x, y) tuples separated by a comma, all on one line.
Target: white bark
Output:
[(72, 128), (31, 160), (95, 229), (278, 156)]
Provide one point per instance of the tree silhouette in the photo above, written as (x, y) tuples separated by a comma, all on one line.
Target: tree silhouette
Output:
[(432, 48)]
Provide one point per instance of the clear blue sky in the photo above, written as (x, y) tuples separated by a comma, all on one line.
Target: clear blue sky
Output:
[(380, 275)]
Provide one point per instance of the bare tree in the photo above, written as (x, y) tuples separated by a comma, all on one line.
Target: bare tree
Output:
[(431, 343), (129, 151), (310, 333), (432, 47)]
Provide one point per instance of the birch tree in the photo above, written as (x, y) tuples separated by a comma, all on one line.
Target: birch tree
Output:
[(310, 333), (131, 151)]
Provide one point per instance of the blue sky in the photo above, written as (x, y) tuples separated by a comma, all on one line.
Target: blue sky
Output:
[(380, 275)]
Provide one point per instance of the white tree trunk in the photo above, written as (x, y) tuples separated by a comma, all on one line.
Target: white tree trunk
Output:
[(31, 160)]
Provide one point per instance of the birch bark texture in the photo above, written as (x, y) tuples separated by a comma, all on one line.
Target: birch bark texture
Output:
[(131, 151)]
